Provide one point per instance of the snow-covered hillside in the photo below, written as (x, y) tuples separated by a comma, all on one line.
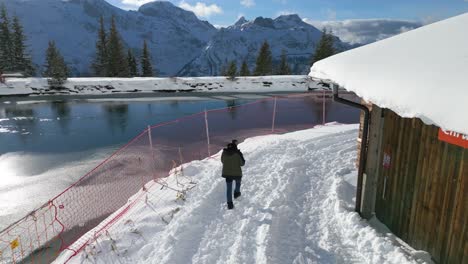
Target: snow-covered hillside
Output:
[(296, 207), (175, 36), (243, 40), (180, 43), (108, 86)]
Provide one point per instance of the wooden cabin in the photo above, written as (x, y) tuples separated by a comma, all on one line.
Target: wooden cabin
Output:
[(418, 184), (415, 172)]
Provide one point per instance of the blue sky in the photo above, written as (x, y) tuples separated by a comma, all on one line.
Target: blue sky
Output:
[(226, 12)]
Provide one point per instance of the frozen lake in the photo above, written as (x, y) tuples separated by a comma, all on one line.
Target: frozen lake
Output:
[(47, 145)]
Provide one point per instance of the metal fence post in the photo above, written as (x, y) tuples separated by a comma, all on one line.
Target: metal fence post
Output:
[(153, 165), (207, 132), (181, 161), (274, 117), (323, 108)]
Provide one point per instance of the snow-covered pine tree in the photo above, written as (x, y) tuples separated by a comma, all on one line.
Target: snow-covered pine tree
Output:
[(132, 64), (21, 59), (284, 66), (6, 51), (232, 70), (244, 69), (325, 48), (99, 64), (117, 65), (55, 68), (264, 61), (146, 66)]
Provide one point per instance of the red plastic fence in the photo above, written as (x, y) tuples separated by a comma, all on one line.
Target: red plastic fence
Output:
[(101, 197)]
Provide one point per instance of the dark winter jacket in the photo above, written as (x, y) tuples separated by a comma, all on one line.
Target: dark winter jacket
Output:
[(241, 155), (232, 160)]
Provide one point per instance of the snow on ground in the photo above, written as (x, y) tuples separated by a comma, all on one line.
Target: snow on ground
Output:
[(296, 207), (107, 86), (421, 73)]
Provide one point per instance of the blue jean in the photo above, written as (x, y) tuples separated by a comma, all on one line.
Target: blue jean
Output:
[(229, 188)]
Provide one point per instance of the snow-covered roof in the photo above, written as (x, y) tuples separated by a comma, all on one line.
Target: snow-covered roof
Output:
[(12, 75), (421, 73)]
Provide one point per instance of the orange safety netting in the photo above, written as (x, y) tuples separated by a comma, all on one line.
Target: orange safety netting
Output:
[(101, 197)]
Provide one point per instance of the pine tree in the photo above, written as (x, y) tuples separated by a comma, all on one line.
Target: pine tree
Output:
[(284, 66), (18, 45), (244, 69), (100, 61), (264, 61), (146, 67), (132, 64), (55, 67), (117, 65), (325, 47), (232, 70), (21, 60), (6, 51), (224, 69)]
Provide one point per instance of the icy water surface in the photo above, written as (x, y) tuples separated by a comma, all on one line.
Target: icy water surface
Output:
[(47, 145)]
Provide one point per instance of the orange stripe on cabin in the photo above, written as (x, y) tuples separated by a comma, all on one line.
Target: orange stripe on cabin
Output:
[(453, 138)]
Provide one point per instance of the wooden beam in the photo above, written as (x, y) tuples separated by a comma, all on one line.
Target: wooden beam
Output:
[(373, 163)]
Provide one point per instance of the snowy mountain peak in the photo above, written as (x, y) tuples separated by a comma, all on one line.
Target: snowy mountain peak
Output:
[(289, 21), (264, 22), (241, 21), (290, 18), (160, 4), (165, 9), (95, 3), (176, 36), (243, 40), (281, 22)]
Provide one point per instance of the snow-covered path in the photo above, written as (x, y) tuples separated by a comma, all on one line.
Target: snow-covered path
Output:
[(296, 207), (279, 215)]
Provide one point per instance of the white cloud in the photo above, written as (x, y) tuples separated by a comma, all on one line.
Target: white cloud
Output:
[(429, 19), (364, 31), (285, 12), (201, 9), (247, 3)]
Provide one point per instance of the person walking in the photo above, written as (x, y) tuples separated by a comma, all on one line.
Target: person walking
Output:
[(232, 159)]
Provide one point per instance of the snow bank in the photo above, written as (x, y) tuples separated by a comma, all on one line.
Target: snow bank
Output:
[(103, 86), (422, 73), (296, 207)]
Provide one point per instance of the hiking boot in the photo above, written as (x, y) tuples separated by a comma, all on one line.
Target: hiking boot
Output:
[(237, 194), (230, 205)]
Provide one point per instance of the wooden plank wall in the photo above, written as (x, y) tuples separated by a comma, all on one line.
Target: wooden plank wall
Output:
[(423, 196)]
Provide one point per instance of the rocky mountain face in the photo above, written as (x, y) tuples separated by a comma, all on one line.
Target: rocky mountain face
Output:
[(180, 43), (175, 36), (243, 40)]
